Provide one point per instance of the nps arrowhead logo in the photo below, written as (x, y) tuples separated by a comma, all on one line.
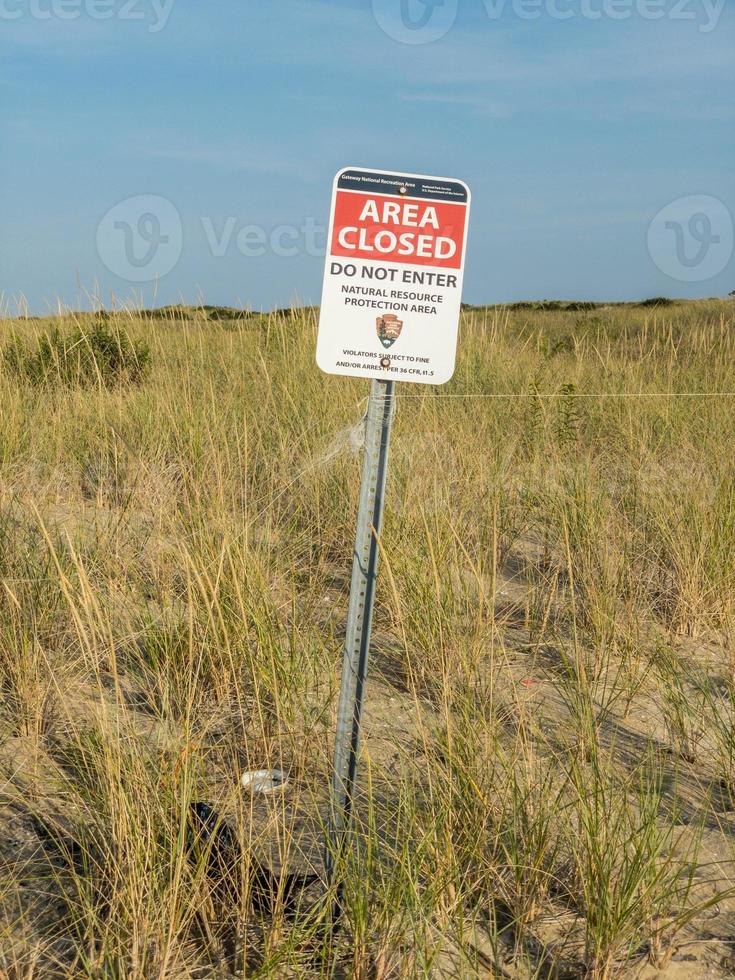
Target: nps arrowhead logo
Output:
[(389, 328)]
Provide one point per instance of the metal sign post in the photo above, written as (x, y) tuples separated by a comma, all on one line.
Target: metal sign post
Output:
[(381, 410), (392, 281)]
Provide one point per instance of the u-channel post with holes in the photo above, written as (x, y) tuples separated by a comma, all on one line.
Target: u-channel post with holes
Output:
[(390, 310), (380, 415)]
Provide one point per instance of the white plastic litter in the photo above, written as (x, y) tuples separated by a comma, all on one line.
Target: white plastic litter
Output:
[(264, 780)]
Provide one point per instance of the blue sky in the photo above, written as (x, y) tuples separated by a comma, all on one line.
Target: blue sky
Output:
[(573, 135)]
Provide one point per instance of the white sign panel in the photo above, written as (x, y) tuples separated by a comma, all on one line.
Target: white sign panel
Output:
[(393, 276)]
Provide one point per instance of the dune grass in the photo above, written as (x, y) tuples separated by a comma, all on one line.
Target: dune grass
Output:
[(547, 783)]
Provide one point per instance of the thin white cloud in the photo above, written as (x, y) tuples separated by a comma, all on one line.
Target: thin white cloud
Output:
[(478, 104), (227, 156)]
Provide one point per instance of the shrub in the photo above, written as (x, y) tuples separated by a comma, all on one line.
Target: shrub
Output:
[(552, 305), (657, 301), (97, 356)]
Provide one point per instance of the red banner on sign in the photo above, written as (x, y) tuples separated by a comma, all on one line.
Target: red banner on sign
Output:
[(390, 228)]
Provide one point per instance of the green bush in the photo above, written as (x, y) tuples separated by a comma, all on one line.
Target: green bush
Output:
[(657, 301), (549, 305), (96, 356)]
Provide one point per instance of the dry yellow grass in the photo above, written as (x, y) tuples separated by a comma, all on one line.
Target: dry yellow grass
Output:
[(548, 774)]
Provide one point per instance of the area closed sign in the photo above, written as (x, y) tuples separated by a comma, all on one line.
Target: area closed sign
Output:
[(393, 276)]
